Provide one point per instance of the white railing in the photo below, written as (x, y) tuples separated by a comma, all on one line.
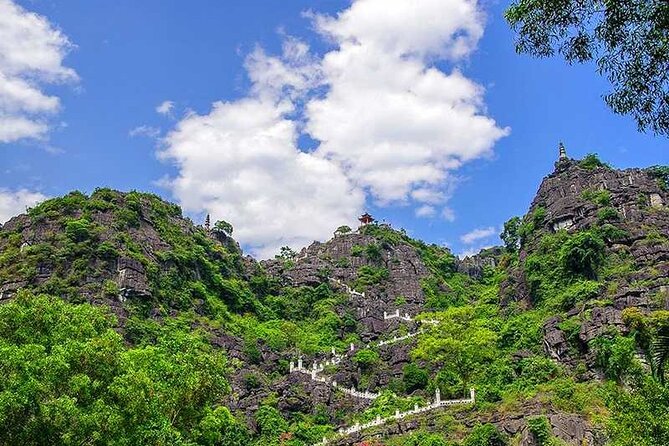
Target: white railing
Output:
[(378, 421), (313, 374), (349, 290), (400, 338)]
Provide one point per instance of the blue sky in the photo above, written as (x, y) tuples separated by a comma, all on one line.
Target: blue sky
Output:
[(288, 80)]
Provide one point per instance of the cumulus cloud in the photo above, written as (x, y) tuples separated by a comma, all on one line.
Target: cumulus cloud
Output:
[(398, 124), (389, 125), (478, 234), (31, 56), (13, 203), (165, 108), (240, 162)]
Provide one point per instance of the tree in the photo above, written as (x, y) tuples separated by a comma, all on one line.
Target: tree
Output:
[(286, 253), (463, 346), (485, 435), (224, 227), (366, 359), (510, 235), (583, 253), (343, 230), (639, 415), (660, 352), (628, 39), (414, 377)]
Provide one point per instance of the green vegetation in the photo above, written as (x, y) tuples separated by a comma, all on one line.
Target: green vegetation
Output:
[(370, 275), (343, 230), (598, 197), (70, 379), (591, 161), (485, 435), (366, 359), (626, 39), (223, 227), (510, 235), (661, 174), (74, 374)]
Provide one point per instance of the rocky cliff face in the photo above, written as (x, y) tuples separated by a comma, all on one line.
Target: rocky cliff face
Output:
[(340, 260), (139, 256), (632, 204), (108, 248)]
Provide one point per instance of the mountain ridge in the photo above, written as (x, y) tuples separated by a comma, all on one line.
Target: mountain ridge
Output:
[(539, 328)]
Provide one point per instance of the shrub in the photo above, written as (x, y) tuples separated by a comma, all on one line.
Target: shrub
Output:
[(414, 377), (600, 197), (485, 435), (583, 253), (615, 356), (366, 358), (540, 428), (661, 174), (110, 288), (78, 230), (373, 252), (357, 250), (343, 230), (591, 161), (607, 214), (369, 275)]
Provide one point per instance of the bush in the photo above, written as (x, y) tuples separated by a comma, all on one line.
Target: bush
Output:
[(110, 288), (615, 355), (661, 174), (583, 253), (373, 252), (591, 161), (600, 197), (366, 358), (485, 435), (540, 428), (343, 230), (78, 230), (607, 214), (369, 275), (414, 377)]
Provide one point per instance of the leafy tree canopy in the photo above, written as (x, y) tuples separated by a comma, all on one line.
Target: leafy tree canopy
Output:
[(224, 227), (628, 39)]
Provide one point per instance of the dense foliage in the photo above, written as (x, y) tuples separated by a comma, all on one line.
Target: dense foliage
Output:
[(628, 39), (68, 378), (159, 373)]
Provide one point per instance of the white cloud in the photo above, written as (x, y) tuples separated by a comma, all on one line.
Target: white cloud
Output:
[(165, 108), (31, 55), (478, 234), (145, 130), (388, 124), (13, 203), (448, 214), (398, 124), (240, 163), (473, 251), (425, 211)]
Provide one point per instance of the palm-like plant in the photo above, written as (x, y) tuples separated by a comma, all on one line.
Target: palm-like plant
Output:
[(660, 349)]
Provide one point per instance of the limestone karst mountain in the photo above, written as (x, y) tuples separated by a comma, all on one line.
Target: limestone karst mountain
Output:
[(369, 337)]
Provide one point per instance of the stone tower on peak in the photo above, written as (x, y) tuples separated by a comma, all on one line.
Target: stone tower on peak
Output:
[(563, 152), (563, 160)]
